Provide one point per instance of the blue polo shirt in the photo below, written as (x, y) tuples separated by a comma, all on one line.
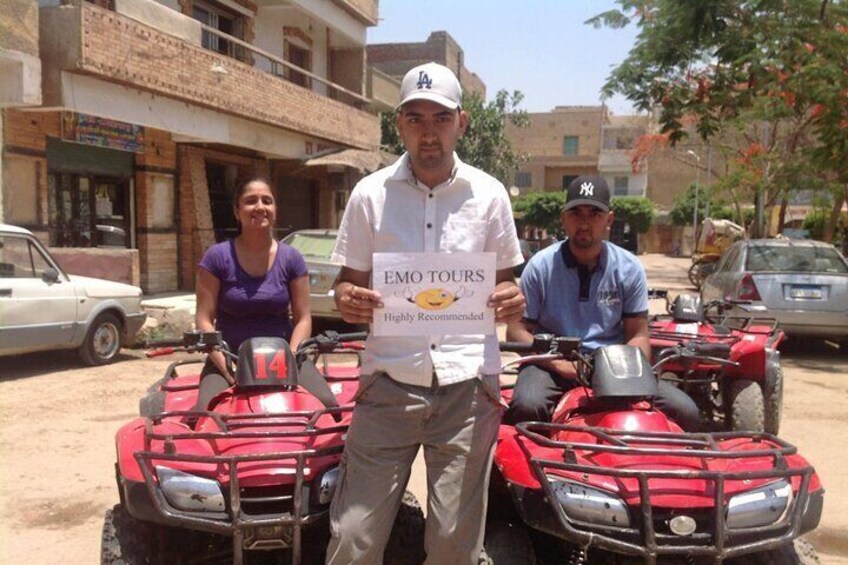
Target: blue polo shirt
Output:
[(565, 299)]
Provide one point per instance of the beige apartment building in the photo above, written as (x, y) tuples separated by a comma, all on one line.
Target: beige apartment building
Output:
[(126, 123), (574, 140), (395, 59), (558, 145)]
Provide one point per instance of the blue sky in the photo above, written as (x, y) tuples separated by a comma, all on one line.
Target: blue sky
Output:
[(540, 47)]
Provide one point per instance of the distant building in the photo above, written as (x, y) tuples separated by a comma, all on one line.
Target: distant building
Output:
[(559, 146), (395, 59)]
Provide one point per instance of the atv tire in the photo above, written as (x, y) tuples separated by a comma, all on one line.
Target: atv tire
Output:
[(102, 341), (801, 552), (406, 542), (127, 541), (507, 543), (744, 406), (773, 392)]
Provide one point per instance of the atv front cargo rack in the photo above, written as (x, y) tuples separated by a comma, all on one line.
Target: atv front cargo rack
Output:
[(270, 508), (648, 534)]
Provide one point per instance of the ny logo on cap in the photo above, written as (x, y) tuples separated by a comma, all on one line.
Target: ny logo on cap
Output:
[(587, 189), (424, 80)]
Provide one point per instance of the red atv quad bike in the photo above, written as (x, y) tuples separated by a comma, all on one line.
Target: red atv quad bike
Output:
[(250, 479), (729, 365), (611, 480)]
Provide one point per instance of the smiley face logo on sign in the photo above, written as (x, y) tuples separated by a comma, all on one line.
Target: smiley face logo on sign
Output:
[(435, 298)]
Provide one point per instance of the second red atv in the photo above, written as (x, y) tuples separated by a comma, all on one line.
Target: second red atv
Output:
[(250, 479), (611, 480), (729, 365)]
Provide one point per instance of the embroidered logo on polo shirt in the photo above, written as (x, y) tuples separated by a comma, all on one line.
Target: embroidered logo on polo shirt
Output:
[(609, 297)]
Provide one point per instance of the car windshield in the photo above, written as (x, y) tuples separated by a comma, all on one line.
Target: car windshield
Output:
[(312, 245), (801, 259)]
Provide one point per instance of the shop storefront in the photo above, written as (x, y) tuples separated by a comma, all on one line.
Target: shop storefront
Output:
[(90, 182)]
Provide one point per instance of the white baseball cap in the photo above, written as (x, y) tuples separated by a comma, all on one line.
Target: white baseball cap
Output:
[(433, 82)]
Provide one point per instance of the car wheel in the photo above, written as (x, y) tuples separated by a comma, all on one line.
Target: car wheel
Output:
[(744, 406), (103, 340)]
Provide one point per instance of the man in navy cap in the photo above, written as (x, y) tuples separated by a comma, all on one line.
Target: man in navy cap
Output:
[(589, 288)]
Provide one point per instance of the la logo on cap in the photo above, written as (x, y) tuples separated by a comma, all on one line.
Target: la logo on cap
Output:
[(587, 189), (424, 80)]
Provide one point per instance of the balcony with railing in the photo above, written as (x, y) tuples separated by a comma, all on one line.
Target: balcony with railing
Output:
[(183, 59)]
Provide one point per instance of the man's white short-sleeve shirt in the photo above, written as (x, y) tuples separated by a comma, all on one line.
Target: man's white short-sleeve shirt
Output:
[(390, 212)]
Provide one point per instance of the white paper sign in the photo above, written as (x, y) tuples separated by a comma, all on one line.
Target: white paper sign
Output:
[(434, 293)]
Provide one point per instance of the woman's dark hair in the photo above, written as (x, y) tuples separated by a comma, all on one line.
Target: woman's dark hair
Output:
[(242, 186)]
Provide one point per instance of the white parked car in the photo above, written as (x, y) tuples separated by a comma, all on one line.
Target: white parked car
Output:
[(316, 246), (43, 308)]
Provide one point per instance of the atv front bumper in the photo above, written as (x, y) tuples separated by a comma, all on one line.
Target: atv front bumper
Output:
[(649, 530)]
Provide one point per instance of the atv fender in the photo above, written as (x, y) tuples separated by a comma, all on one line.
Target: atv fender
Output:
[(130, 440)]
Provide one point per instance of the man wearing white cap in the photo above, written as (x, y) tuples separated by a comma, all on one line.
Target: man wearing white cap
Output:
[(439, 392)]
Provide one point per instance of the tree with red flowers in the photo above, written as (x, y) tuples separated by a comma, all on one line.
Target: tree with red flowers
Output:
[(764, 82)]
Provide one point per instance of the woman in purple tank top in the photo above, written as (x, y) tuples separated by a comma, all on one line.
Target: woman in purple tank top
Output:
[(245, 286)]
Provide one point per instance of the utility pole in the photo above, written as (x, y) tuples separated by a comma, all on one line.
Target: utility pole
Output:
[(695, 209)]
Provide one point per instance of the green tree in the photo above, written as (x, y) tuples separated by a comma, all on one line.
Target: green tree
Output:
[(637, 211), (764, 81), (484, 144), (541, 210), (682, 212)]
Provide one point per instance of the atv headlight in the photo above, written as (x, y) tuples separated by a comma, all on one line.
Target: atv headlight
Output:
[(326, 486), (759, 507), (190, 492), (586, 504)]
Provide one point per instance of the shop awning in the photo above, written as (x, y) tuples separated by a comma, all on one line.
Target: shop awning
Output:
[(359, 159)]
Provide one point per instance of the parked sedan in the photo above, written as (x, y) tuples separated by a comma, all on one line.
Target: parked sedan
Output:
[(43, 308), (316, 246), (803, 284)]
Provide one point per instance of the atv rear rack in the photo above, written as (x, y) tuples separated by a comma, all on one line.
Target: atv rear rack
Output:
[(235, 520), (718, 542)]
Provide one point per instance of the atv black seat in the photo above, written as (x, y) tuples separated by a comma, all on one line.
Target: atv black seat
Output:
[(687, 308), (720, 349), (622, 371), (266, 362)]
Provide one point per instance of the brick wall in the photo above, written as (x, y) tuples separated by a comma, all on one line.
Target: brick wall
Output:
[(25, 143), (158, 258), (125, 51), (119, 265)]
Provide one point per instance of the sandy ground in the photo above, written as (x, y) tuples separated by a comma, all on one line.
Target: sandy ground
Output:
[(58, 420)]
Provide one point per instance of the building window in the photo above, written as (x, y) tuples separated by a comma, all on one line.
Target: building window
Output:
[(88, 210), (566, 180), (217, 18), (523, 179), (620, 186), (570, 145), (301, 57)]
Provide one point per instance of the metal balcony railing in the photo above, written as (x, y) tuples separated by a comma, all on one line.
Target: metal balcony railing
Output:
[(235, 48)]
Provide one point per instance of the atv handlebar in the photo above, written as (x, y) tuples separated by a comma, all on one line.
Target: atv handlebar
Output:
[(206, 342), (694, 352)]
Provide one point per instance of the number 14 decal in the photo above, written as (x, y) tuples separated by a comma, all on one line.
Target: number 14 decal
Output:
[(277, 367)]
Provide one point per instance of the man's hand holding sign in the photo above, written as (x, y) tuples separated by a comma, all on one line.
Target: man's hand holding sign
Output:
[(426, 293)]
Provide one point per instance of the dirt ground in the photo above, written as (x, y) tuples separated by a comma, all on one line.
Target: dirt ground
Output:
[(58, 420)]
